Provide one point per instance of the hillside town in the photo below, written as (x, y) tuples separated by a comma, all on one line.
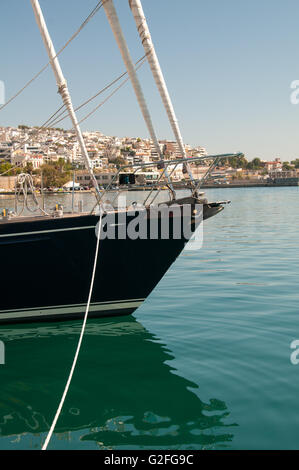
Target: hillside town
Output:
[(55, 153)]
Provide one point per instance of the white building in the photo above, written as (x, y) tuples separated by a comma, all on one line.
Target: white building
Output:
[(21, 159)]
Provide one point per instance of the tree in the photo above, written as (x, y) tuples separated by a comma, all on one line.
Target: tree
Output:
[(119, 161), (56, 173), (28, 168), (234, 162), (126, 149), (255, 164), (6, 166), (286, 166)]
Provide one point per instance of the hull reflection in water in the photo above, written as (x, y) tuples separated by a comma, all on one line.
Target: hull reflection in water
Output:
[(123, 393)]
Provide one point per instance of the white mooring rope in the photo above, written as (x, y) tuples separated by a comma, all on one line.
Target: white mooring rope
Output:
[(98, 234)]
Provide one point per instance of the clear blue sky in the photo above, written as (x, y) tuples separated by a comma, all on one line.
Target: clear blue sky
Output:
[(228, 65)]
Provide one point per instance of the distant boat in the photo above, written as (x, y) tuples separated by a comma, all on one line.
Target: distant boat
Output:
[(71, 184)]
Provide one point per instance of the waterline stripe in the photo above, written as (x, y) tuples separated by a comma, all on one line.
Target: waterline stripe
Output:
[(60, 310), (51, 307)]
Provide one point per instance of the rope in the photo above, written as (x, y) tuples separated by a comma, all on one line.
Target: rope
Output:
[(24, 183), (79, 342)]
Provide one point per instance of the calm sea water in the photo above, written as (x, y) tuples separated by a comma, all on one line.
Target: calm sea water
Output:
[(204, 363)]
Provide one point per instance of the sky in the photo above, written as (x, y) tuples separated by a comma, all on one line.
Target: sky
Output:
[(228, 65)]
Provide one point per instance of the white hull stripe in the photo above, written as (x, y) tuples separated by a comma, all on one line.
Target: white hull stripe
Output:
[(69, 309), (47, 231)]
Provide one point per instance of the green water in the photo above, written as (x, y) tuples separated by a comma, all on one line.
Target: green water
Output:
[(203, 363)]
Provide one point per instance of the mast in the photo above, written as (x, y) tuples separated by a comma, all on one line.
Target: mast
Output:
[(121, 42), (153, 61), (62, 86)]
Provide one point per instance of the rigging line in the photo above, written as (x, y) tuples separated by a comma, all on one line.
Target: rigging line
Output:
[(110, 84), (24, 87), (85, 22), (105, 100), (50, 121), (98, 93), (110, 95), (45, 445), (90, 16)]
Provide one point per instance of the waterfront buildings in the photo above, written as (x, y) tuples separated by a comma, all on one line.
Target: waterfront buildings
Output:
[(34, 146)]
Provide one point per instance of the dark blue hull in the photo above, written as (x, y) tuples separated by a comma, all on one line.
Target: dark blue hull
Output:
[(46, 266)]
